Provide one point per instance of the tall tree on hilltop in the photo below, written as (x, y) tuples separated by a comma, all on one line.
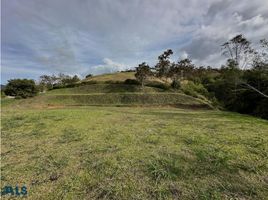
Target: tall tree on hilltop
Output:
[(163, 65), (143, 71), (48, 81), (185, 67)]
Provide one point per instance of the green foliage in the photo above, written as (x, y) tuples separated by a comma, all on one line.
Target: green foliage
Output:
[(163, 66), (21, 88), (176, 84), (131, 82), (48, 81), (231, 89), (113, 82), (159, 85), (60, 81), (195, 89), (89, 82), (65, 80), (142, 73)]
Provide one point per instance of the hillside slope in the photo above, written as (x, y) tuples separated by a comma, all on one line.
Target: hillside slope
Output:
[(110, 89)]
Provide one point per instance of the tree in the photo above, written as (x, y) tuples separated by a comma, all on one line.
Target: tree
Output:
[(61, 80), (163, 65), (261, 56), (21, 88), (240, 54), (48, 81), (239, 50), (143, 71), (185, 68), (75, 79), (68, 80)]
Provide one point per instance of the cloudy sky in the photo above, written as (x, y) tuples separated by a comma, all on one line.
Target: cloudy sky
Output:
[(98, 36)]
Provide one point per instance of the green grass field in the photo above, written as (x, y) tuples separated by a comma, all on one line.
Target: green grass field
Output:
[(134, 153)]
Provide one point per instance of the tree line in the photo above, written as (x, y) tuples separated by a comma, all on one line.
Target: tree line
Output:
[(240, 85), (24, 88)]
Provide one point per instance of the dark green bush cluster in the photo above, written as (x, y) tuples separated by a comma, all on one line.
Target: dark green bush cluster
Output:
[(21, 88), (132, 82), (176, 84), (195, 89), (159, 85), (113, 82), (88, 83)]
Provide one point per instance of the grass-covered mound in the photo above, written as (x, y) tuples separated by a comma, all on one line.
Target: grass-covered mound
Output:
[(103, 88), (176, 99), (137, 153), (118, 89)]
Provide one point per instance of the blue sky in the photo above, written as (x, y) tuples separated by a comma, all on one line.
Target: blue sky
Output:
[(99, 36)]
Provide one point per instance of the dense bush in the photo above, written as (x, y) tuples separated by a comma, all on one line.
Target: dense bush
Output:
[(230, 88), (195, 89), (158, 85), (88, 82), (132, 82), (113, 82), (71, 85), (21, 88), (176, 84)]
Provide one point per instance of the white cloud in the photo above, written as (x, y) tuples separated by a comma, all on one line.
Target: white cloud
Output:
[(108, 66), (184, 55)]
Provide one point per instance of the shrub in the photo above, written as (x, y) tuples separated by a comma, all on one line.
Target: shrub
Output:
[(158, 85), (71, 85), (176, 84), (88, 83), (195, 89), (113, 82), (131, 82), (21, 88)]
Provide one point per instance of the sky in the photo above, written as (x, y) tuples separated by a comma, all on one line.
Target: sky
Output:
[(102, 36)]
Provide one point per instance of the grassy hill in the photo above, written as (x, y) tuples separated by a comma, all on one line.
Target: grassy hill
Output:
[(111, 89), (104, 88)]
